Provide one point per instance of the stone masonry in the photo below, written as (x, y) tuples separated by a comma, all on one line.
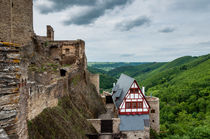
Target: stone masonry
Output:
[(95, 79), (3, 134), (16, 24), (25, 93), (27, 87), (9, 90), (50, 33), (154, 113)]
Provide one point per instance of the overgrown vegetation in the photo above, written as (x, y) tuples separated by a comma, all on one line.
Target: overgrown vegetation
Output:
[(76, 79), (44, 67), (107, 66), (183, 87), (63, 121), (68, 119)]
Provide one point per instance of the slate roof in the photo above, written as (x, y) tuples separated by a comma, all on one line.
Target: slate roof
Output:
[(133, 122), (121, 88)]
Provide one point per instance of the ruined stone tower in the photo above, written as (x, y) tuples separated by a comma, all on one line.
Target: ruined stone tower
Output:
[(154, 113), (16, 24)]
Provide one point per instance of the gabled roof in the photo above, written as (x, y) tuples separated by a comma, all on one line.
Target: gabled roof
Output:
[(121, 88)]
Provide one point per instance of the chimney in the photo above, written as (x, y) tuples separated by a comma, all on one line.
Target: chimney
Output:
[(143, 90), (113, 84)]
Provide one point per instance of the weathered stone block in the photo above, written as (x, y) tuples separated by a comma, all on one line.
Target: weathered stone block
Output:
[(13, 56), (3, 134), (4, 115)]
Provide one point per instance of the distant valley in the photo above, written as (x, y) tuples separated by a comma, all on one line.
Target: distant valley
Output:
[(183, 86)]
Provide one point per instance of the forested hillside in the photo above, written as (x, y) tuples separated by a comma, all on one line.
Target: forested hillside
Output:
[(183, 87), (107, 66), (184, 93)]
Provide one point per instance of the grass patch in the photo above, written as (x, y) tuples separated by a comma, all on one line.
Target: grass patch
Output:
[(63, 121)]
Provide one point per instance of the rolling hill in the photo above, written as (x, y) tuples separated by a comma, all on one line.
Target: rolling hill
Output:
[(183, 86)]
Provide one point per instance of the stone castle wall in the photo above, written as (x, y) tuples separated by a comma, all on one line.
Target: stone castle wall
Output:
[(22, 98), (50, 33), (97, 124), (154, 113), (68, 52), (145, 134), (3, 134), (10, 73), (5, 22), (41, 97), (16, 24), (95, 79)]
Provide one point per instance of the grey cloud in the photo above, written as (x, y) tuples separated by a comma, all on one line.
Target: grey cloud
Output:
[(167, 30), (60, 5), (128, 25), (127, 55), (205, 45), (96, 9), (191, 5)]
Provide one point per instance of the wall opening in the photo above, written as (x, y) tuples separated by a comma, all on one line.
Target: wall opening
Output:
[(106, 126), (109, 100), (152, 111), (67, 51), (62, 72), (153, 121)]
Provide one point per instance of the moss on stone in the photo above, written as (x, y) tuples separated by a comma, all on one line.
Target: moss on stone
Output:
[(76, 79)]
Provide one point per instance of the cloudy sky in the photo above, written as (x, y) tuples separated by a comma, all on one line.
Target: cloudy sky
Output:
[(129, 30)]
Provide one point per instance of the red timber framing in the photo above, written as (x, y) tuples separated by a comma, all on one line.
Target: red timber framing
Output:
[(134, 102)]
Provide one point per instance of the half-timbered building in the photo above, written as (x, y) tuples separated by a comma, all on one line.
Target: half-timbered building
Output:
[(132, 107)]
